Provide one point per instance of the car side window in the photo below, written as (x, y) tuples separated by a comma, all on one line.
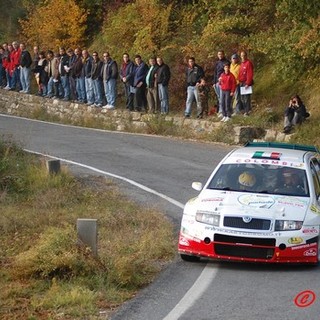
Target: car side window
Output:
[(316, 164), (315, 170)]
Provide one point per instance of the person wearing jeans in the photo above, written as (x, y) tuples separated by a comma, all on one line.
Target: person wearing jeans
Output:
[(194, 75), (228, 85), (96, 79), (63, 67), (218, 70), (86, 69), (163, 78), (109, 75)]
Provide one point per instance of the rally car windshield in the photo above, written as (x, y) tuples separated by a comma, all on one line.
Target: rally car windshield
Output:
[(261, 178)]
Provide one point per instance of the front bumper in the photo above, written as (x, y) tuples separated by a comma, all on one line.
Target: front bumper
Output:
[(241, 247)]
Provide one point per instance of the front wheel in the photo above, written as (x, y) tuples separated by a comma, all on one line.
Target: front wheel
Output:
[(188, 258)]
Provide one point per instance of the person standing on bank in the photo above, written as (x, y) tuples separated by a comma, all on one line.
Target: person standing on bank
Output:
[(64, 76), (152, 86), (218, 70), (194, 74), (163, 77), (235, 69), (228, 85), (109, 75), (25, 69), (246, 80), (97, 79), (126, 76), (139, 83)]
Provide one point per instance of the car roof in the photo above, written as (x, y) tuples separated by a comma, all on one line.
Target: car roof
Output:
[(273, 151)]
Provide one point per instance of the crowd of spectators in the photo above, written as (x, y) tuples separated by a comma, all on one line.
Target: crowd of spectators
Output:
[(76, 75)]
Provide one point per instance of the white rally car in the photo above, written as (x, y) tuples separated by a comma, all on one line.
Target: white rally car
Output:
[(260, 204)]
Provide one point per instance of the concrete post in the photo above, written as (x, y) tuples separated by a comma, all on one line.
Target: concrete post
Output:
[(88, 233), (53, 166)]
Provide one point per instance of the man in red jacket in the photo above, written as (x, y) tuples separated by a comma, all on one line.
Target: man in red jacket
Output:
[(228, 84), (15, 65), (246, 81)]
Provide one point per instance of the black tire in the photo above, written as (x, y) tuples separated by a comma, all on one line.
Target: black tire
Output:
[(188, 258)]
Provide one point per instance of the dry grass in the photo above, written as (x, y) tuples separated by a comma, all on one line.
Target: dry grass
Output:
[(44, 272)]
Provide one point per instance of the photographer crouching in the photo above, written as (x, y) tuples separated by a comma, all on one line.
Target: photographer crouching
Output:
[(294, 114)]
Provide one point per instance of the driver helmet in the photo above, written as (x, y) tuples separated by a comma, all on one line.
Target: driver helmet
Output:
[(247, 179)]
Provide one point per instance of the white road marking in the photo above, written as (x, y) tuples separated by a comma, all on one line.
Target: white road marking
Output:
[(195, 292), (136, 184)]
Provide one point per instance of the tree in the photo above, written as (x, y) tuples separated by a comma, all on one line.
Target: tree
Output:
[(55, 23)]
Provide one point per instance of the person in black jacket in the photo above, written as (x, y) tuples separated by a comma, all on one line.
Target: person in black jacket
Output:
[(194, 75), (295, 113), (97, 79), (218, 70), (109, 73), (64, 75), (126, 76), (163, 78), (25, 69)]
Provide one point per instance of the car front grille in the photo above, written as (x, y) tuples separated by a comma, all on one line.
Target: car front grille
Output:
[(243, 247), (254, 224)]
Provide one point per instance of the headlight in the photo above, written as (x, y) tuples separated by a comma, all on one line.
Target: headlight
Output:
[(208, 218), (285, 225)]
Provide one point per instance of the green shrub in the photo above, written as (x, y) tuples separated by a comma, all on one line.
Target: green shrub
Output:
[(56, 254)]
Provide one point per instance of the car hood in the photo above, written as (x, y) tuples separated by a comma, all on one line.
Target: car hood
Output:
[(256, 205)]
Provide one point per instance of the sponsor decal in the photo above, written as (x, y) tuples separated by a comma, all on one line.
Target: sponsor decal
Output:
[(295, 240), (271, 161), (292, 202), (310, 252), (256, 201), (315, 209), (310, 231), (212, 199), (260, 234), (304, 246)]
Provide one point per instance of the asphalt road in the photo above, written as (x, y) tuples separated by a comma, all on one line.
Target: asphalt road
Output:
[(184, 291)]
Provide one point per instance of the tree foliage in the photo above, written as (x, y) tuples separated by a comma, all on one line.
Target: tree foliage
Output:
[(138, 27), (55, 23)]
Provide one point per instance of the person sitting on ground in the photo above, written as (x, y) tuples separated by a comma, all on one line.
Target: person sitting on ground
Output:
[(294, 114)]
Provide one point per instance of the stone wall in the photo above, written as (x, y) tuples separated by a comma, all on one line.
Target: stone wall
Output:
[(31, 106)]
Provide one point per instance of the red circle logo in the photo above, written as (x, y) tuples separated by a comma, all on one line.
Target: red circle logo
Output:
[(305, 299)]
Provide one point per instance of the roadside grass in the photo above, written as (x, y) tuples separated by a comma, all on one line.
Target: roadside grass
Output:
[(45, 272)]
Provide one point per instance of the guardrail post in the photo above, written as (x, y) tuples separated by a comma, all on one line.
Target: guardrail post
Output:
[(53, 166), (88, 233)]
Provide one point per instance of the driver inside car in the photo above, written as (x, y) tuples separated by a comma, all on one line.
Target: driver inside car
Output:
[(247, 180), (292, 183)]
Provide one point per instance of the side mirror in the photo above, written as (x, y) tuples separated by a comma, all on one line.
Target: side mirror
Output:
[(197, 186)]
